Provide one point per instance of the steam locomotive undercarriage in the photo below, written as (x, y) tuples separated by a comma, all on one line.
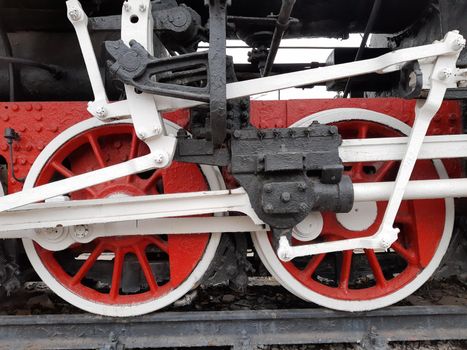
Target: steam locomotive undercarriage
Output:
[(349, 202)]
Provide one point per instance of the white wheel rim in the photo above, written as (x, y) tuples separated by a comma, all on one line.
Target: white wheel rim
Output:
[(215, 182), (277, 270)]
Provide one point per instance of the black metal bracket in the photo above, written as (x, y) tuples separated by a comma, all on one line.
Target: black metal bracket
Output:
[(411, 80), (11, 136), (290, 172), (217, 69), (160, 76), (195, 76)]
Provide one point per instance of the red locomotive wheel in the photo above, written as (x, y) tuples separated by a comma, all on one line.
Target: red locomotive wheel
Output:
[(124, 275), (367, 279)]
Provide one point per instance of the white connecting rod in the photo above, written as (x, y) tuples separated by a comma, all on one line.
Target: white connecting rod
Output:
[(109, 210)]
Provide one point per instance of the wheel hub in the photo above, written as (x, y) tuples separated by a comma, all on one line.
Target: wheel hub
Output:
[(362, 216)]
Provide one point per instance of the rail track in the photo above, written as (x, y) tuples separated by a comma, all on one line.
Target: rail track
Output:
[(243, 330)]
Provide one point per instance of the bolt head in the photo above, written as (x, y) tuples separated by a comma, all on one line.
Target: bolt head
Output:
[(268, 208), (444, 73), (101, 112), (142, 135), (285, 197), (81, 231), (268, 188), (304, 207), (75, 15), (459, 43), (142, 8), (126, 6), (160, 158), (302, 187)]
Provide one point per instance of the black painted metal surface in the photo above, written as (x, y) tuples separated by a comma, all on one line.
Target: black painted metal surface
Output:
[(237, 329)]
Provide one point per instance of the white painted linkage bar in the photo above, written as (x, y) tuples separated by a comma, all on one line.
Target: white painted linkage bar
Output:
[(110, 210), (99, 211), (421, 189), (393, 148)]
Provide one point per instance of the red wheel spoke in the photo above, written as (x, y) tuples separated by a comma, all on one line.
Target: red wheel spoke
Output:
[(404, 253), (382, 172), (345, 269), (134, 147), (313, 264), (62, 170), (68, 173), (375, 267), (363, 131), (117, 274), (96, 148), (159, 243), (357, 171), (153, 179), (146, 267), (90, 261)]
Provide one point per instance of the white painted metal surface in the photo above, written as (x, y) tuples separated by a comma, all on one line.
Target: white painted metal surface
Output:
[(309, 229), (115, 210), (360, 218), (393, 148)]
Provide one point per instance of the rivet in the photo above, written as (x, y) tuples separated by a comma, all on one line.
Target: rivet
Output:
[(6, 118), (28, 148), (28, 107), (4, 148), (38, 128), (15, 108), (22, 161), (38, 107), (268, 208), (22, 128), (268, 188), (38, 117)]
